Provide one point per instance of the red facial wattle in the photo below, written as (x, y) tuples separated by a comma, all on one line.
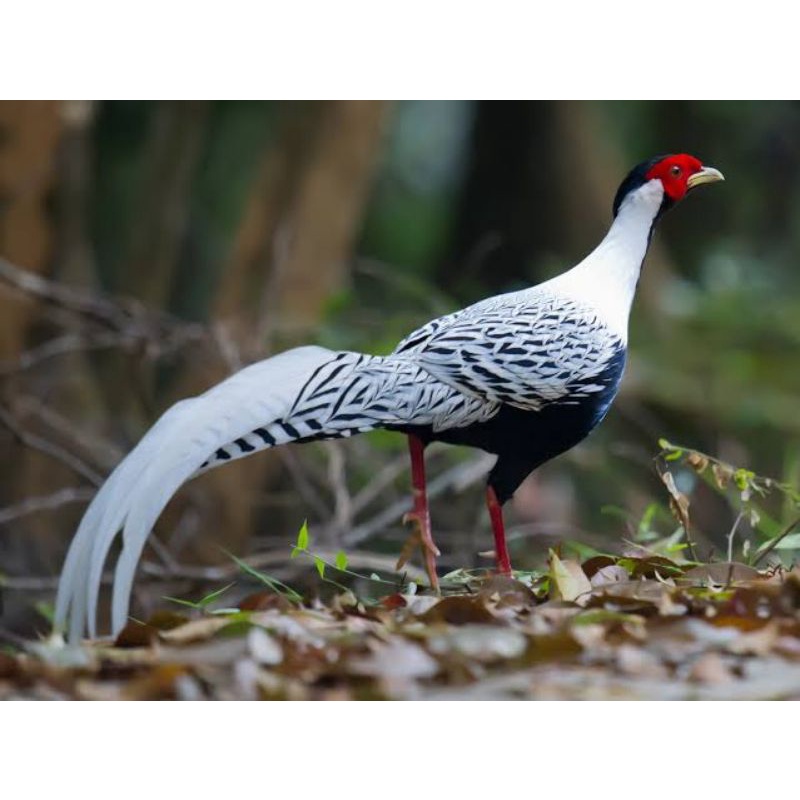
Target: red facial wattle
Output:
[(674, 172)]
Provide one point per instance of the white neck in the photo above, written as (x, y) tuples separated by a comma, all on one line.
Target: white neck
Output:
[(606, 279)]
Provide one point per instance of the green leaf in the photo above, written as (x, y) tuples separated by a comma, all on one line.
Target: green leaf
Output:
[(273, 583), (320, 565), (302, 537), (210, 598), (181, 602), (47, 610), (341, 560), (646, 522), (200, 604), (789, 542)]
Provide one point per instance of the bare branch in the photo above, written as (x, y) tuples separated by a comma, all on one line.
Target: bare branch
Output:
[(159, 331), (384, 478), (302, 482), (59, 346), (47, 502), (156, 573), (49, 449), (343, 504), (459, 478), (103, 452)]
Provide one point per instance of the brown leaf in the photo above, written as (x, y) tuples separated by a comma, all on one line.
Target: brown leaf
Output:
[(158, 684), (506, 592), (756, 643), (611, 573), (710, 668), (261, 601), (143, 634), (459, 610), (679, 502), (392, 601), (569, 580), (166, 620), (196, 630), (593, 564), (630, 595), (697, 461), (651, 566), (722, 474), (790, 589), (10, 668), (721, 573), (136, 634)]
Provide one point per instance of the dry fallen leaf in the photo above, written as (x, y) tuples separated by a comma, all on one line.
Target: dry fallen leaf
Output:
[(640, 636), (569, 580)]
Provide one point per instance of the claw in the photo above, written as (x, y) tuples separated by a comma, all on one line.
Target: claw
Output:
[(421, 529), (420, 538)]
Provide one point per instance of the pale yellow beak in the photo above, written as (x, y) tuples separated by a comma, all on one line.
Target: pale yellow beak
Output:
[(706, 175)]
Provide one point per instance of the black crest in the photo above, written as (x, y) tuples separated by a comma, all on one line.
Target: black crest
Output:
[(636, 178)]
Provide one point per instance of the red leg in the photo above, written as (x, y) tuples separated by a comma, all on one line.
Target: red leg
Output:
[(420, 515), (499, 531)]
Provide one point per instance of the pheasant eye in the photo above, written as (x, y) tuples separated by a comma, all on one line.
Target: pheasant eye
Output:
[(675, 171)]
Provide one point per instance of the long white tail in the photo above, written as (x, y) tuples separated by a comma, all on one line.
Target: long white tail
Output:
[(298, 395)]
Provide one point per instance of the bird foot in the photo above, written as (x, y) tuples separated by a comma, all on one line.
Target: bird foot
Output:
[(420, 538)]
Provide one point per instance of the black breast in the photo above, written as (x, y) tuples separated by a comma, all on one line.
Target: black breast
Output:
[(523, 440)]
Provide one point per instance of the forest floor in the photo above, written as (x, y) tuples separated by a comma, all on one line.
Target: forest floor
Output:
[(633, 627)]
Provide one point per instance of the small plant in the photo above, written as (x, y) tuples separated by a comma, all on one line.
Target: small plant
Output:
[(204, 602), (340, 565), (744, 489)]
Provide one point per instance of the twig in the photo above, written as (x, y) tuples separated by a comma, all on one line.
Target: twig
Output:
[(384, 478), (459, 478), (157, 573), (343, 504), (161, 332), (775, 542), (309, 494), (733, 533), (61, 345), (227, 347), (104, 452), (50, 449), (78, 301), (46, 502)]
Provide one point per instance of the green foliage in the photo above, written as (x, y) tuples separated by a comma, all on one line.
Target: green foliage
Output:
[(746, 491), (271, 583), (46, 610), (204, 602), (340, 563)]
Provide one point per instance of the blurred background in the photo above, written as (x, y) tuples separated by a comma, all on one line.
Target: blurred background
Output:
[(149, 249)]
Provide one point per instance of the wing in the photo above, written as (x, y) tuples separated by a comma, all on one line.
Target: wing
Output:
[(418, 339), (525, 349)]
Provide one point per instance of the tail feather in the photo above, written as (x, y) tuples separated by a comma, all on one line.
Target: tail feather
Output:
[(306, 393), (185, 441)]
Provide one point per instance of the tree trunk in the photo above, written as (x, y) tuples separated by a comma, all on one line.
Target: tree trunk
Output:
[(289, 257)]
